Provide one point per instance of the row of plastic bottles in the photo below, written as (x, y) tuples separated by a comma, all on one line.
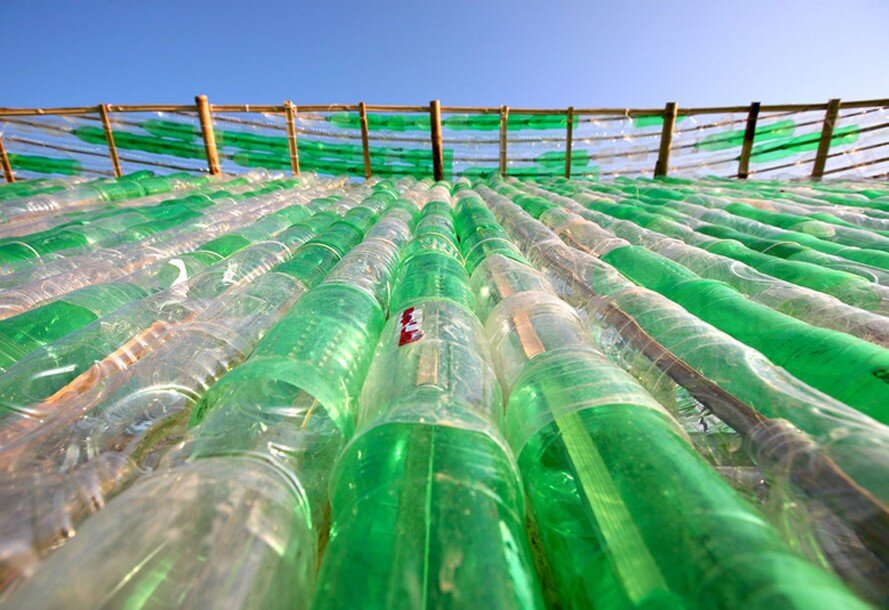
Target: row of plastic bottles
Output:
[(803, 440), (617, 492), (126, 433), (849, 369), (500, 393)]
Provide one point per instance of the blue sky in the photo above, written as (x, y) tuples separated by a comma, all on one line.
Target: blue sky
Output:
[(546, 53)]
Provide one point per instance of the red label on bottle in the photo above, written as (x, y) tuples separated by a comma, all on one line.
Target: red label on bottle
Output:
[(409, 326)]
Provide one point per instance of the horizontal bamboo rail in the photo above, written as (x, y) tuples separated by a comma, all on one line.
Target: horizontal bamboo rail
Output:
[(304, 108)]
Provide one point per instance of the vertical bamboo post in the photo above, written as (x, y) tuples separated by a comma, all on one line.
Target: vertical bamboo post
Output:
[(208, 134), (747, 145), (663, 156), (504, 120), (4, 162), (365, 143), (437, 152), (290, 113), (569, 140), (830, 118), (109, 137)]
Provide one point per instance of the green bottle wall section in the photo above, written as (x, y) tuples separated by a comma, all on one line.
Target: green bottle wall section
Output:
[(604, 144), (259, 392)]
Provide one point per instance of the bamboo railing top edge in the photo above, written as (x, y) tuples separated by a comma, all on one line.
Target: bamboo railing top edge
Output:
[(280, 108)]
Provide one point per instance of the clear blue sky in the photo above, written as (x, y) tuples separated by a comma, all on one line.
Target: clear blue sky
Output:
[(521, 53)]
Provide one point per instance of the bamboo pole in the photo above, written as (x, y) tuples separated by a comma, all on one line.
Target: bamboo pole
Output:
[(209, 134), (877, 103), (328, 107), (569, 140), (437, 152), (8, 175), (663, 157), (830, 118), (47, 111), (255, 108), (504, 120), (747, 146), (109, 137), (395, 108), (290, 113), (365, 144), (846, 168), (151, 108), (470, 109)]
